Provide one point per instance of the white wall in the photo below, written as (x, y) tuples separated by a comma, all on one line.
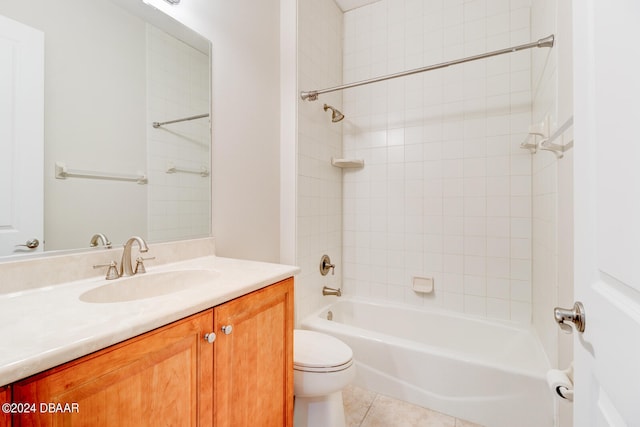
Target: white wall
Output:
[(553, 186), (445, 191), (246, 121), (319, 192)]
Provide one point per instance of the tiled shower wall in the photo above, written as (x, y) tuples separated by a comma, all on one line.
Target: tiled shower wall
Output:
[(319, 192), (552, 187), (446, 190), (179, 203)]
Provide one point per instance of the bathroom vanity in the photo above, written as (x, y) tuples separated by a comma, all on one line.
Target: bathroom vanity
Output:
[(225, 360), (174, 376)]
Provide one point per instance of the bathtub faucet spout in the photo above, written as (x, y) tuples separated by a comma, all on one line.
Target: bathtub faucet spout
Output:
[(331, 291)]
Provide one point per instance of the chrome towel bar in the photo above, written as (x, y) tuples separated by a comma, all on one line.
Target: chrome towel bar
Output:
[(62, 172), (172, 168)]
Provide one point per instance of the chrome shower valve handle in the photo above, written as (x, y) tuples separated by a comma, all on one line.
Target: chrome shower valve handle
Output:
[(325, 266)]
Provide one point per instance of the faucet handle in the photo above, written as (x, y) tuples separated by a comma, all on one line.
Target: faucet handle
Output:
[(140, 265), (325, 265), (112, 271)]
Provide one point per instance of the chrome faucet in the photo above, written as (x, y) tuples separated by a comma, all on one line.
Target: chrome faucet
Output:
[(331, 291), (125, 264), (99, 236)]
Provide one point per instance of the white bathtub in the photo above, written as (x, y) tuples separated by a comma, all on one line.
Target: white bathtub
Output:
[(487, 372)]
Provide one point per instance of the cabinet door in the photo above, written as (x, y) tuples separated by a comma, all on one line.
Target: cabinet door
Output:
[(253, 364), (5, 397), (161, 378)]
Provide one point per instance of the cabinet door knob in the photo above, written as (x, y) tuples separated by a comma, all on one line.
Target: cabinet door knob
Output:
[(227, 329), (210, 337)]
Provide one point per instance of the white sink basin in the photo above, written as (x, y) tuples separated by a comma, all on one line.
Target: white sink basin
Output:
[(149, 285)]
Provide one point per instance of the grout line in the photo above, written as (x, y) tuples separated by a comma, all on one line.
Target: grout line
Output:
[(369, 409)]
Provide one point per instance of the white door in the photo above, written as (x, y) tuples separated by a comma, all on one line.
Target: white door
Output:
[(607, 211), (21, 137)]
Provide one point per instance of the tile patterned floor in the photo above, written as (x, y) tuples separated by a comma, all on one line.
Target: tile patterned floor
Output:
[(364, 408)]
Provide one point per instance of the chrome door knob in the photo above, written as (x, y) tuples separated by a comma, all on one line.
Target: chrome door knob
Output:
[(565, 317), (227, 329), (210, 337), (31, 244)]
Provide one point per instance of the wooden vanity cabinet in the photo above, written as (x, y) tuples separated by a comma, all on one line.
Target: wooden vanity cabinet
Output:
[(163, 377), (253, 359), (173, 376), (5, 397)]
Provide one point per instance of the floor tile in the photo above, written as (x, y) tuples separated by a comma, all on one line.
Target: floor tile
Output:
[(365, 408), (357, 402), (386, 412), (462, 423)]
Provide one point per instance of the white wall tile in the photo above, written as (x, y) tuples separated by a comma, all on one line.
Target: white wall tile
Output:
[(453, 301), (475, 305), (498, 227), (443, 190), (498, 308), (521, 312), (551, 95), (499, 288), (498, 267), (520, 290), (494, 7), (324, 223), (497, 23)]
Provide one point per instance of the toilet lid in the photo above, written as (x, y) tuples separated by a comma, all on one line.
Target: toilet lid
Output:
[(315, 350)]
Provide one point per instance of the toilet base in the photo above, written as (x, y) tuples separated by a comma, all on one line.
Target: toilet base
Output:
[(319, 411)]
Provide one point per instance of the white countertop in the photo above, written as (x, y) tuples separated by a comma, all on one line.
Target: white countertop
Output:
[(45, 327)]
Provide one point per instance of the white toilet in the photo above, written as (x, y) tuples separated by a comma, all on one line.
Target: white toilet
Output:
[(322, 367)]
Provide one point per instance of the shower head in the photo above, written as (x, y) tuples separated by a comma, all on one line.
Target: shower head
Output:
[(336, 115)]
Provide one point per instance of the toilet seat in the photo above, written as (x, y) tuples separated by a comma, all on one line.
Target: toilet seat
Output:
[(317, 352), (322, 367)]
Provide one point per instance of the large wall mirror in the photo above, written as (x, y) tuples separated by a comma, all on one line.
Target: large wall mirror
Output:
[(112, 68)]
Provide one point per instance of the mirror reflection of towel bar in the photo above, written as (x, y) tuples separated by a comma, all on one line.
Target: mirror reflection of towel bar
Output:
[(62, 172), (171, 168)]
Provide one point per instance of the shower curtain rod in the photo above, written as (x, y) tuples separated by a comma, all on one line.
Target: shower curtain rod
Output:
[(312, 95)]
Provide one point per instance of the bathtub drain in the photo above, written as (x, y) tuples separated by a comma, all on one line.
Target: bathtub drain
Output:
[(329, 315)]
